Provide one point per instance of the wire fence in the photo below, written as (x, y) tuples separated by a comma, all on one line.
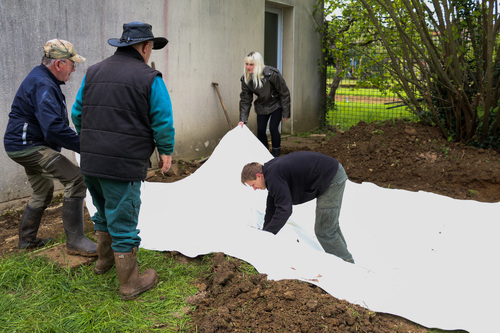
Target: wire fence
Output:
[(357, 101)]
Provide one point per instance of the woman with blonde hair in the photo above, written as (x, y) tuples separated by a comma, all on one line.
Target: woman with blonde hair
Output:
[(272, 102)]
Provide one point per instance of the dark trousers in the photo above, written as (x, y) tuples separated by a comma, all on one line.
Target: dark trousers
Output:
[(274, 120)]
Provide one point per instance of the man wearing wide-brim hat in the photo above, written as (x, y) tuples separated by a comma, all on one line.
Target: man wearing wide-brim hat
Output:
[(38, 128), (122, 111)]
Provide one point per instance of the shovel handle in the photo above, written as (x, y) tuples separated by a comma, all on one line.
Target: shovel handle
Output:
[(216, 85)]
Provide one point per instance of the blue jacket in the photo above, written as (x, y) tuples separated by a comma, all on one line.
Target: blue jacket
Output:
[(38, 115)]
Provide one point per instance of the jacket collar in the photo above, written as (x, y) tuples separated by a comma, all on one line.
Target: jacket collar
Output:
[(49, 73), (268, 70), (129, 51)]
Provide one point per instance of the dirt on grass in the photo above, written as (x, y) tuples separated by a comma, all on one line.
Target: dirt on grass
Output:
[(399, 155), (230, 300)]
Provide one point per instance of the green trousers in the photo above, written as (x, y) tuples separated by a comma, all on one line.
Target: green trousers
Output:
[(118, 204), (42, 167), (326, 226)]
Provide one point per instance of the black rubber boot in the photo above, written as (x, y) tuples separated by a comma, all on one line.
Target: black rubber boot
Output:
[(28, 228), (276, 152), (76, 241)]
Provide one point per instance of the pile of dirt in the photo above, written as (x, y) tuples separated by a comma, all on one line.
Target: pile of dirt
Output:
[(410, 156), (396, 154), (229, 300)]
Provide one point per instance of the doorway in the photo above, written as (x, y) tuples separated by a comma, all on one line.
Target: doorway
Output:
[(273, 37)]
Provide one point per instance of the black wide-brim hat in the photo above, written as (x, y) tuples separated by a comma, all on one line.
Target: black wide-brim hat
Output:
[(137, 32)]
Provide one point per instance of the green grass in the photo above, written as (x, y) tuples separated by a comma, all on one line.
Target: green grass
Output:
[(355, 104), (38, 296), (348, 114), (363, 92), (349, 111)]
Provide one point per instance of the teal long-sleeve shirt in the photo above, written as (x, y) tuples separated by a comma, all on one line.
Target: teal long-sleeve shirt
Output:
[(160, 115)]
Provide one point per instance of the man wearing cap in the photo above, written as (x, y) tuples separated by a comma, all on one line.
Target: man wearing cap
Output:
[(122, 112), (38, 127)]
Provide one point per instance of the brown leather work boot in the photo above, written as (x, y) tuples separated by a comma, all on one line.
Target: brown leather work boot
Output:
[(131, 283), (105, 254)]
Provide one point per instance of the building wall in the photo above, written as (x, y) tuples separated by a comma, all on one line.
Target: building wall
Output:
[(208, 40)]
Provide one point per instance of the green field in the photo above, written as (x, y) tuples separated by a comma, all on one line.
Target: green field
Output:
[(353, 105), (347, 114)]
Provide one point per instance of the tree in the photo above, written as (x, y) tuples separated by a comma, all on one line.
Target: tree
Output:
[(346, 37), (444, 57)]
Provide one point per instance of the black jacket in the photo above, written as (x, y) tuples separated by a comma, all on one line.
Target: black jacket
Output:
[(294, 179), (116, 135), (273, 94)]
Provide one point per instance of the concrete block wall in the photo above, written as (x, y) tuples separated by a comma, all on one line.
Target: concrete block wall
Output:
[(208, 40)]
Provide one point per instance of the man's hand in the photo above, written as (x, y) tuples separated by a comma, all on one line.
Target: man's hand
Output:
[(164, 163), (241, 124)]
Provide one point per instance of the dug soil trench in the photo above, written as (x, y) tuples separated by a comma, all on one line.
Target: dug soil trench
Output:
[(399, 155)]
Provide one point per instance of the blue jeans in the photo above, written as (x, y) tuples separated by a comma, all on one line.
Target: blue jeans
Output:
[(118, 204), (326, 226)]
